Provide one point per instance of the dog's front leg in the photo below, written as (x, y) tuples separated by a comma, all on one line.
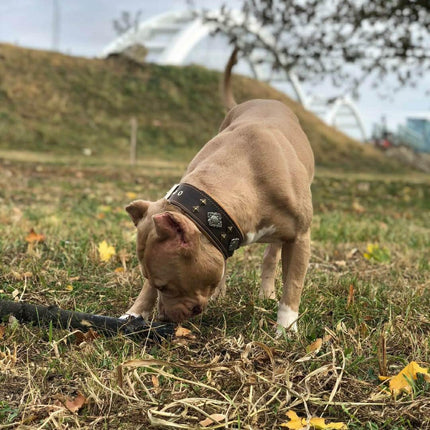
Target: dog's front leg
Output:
[(268, 271), (145, 302), (221, 287), (295, 260)]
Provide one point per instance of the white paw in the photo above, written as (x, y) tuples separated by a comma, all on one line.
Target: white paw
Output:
[(287, 319), (126, 316)]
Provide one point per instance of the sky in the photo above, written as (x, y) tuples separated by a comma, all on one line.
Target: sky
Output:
[(85, 28)]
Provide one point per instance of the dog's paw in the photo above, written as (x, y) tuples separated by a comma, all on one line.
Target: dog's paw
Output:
[(126, 316), (287, 320), (288, 332)]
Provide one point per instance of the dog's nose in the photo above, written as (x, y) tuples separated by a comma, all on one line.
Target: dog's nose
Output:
[(197, 309)]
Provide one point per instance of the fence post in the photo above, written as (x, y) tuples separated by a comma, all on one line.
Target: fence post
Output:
[(133, 140)]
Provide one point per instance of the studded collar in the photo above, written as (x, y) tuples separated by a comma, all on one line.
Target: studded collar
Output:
[(209, 216)]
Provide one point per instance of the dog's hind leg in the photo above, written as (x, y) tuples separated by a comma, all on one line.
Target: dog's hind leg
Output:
[(295, 260), (271, 258), (145, 302)]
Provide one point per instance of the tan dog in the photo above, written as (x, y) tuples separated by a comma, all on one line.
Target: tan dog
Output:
[(259, 169)]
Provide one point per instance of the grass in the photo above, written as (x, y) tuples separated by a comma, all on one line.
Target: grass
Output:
[(233, 365), (64, 105)]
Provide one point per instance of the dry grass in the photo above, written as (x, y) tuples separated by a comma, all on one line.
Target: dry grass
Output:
[(232, 365)]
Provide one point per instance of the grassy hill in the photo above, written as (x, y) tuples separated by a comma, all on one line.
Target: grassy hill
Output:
[(60, 104)]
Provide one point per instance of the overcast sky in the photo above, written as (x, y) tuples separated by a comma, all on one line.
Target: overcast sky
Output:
[(86, 28)]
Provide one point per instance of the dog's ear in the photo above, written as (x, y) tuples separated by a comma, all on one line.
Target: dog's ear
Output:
[(137, 210), (177, 228)]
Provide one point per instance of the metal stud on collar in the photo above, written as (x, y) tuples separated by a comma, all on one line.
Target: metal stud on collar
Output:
[(234, 244), (215, 219)]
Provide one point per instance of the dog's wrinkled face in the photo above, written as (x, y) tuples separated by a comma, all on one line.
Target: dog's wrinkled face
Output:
[(176, 259)]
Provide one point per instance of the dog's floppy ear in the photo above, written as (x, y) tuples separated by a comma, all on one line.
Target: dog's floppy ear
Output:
[(137, 210), (177, 227)]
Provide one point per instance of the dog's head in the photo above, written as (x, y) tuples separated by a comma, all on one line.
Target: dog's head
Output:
[(176, 259)]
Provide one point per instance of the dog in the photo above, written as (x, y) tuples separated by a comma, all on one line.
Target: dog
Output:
[(250, 183)]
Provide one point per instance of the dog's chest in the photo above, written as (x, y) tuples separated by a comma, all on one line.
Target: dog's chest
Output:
[(262, 235)]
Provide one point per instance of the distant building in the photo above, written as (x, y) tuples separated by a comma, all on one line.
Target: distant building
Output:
[(416, 133)]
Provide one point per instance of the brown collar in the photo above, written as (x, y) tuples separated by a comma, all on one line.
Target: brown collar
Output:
[(209, 216)]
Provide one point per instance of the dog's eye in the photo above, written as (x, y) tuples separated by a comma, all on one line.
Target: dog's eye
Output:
[(161, 288)]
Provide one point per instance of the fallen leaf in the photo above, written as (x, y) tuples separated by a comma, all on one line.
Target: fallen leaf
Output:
[(69, 288), (351, 253), (2, 331), (374, 252), (33, 237), (315, 346), (401, 383), (104, 208), (340, 263), (75, 404), (105, 251), (119, 270), (357, 207), (155, 381), (88, 336), (183, 332), (212, 419), (297, 423), (131, 195)]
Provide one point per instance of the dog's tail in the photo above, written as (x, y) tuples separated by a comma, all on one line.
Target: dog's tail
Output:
[(229, 101)]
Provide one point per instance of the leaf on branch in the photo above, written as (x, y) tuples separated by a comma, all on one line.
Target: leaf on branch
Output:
[(297, 423), (34, 237), (106, 252), (403, 381)]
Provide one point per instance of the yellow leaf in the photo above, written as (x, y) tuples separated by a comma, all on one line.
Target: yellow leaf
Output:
[(105, 251), (402, 381), (131, 195), (69, 287), (119, 270), (357, 207), (319, 423), (104, 208), (297, 423)]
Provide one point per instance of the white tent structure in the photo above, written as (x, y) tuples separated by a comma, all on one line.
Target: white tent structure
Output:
[(172, 37)]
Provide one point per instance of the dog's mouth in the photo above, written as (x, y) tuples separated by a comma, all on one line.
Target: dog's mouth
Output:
[(179, 316)]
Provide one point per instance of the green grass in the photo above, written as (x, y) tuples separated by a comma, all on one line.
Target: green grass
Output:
[(234, 365)]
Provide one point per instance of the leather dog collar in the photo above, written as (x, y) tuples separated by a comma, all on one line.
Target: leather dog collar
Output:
[(209, 216)]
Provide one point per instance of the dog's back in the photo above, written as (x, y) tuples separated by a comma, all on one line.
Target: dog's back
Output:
[(265, 115)]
